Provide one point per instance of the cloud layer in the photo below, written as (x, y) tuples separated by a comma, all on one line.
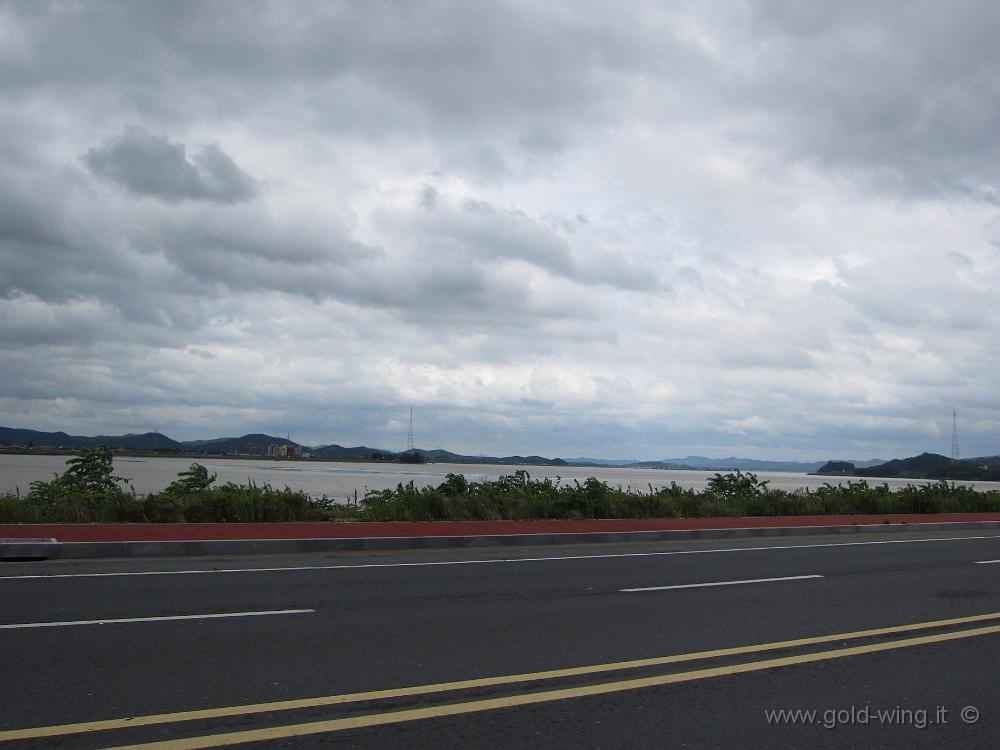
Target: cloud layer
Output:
[(763, 229), (151, 165)]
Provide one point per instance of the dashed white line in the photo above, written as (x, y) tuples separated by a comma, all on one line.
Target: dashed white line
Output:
[(431, 563), (718, 583), (986, 562), (109, 621)]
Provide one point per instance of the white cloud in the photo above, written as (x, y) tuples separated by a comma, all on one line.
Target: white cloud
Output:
[(760, 229)]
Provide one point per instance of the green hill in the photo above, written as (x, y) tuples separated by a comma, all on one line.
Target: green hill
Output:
[(924, 466), (147, 441), (238, 445)]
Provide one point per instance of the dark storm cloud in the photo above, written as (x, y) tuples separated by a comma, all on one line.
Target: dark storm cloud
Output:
[(479, 233), (921, 302), (641, 222), (528, 74), (477, 229), (81, 269), (902, 96), (148, 164), (22, 218)]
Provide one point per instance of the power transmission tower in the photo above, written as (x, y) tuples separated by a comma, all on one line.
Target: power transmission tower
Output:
[(409, 435), (954, 436)]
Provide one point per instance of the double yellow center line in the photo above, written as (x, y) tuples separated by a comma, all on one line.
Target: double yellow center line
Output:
[(522, 699)]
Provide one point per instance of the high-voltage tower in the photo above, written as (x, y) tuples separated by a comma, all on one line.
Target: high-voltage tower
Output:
[(954, 435), (409, 435)]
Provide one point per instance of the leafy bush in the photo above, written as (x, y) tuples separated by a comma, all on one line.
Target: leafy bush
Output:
[(90, 491), (517, 497), (192, 498)]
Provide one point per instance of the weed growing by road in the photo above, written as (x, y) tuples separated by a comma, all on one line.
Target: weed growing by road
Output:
[(89, 491), (518, 497)]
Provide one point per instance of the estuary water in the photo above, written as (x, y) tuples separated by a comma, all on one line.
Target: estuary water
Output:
[(340, 479)]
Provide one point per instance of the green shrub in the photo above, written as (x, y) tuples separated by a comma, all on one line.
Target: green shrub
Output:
[(517, 496), (89, 491), (192, 498)]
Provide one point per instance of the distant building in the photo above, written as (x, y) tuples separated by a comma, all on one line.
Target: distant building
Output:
[(284, 450)]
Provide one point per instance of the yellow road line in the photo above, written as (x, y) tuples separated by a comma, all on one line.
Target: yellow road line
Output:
[(330, 700), (490, 704)]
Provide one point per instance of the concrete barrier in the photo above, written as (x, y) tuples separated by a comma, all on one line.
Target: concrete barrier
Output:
[(26, 549)]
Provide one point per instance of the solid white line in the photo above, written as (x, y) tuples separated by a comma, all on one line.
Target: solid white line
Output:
[(493, 561), (986, 562), (21, 625), (719, 583)]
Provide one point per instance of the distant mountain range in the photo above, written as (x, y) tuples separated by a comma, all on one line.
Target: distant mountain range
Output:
[(704, 463), (750, 464), (925, 466), (247, 445), (149, 441)]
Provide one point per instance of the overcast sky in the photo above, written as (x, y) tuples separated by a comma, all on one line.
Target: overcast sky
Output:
[(609, 229)]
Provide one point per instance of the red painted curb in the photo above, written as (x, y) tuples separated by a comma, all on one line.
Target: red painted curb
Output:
[(141, 532)]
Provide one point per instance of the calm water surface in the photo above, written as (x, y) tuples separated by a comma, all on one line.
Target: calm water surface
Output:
[(341, 479)]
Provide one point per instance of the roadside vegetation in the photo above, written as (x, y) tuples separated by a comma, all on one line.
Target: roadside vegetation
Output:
[(519, 497), (89, 491)]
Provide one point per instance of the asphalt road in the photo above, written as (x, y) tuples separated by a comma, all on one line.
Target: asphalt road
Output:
[(409, 625)]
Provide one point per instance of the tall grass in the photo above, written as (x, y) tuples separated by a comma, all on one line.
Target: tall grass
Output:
[(518, 497), (89, 492)]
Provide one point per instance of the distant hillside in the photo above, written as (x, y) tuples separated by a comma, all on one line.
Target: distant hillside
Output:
[(338, 451), (440, 456), (584, 461), (658, 465), (837, 468), (749, 464), (240, 445), (253, 444), (744, 464), (916, 466), (148, 441), (924, 466), (363, 451), (445, 457), (530, 460)]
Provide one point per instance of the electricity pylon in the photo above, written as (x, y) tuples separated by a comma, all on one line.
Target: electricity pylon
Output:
[(954, 436)]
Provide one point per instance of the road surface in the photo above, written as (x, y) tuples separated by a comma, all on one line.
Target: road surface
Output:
[(792, 642)]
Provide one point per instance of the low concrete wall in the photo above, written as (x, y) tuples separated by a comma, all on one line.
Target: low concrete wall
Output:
[(50, 549)]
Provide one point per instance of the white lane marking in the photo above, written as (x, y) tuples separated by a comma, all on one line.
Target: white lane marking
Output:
[(986, 562), (217, 615), (492, 561), (719, 583)]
